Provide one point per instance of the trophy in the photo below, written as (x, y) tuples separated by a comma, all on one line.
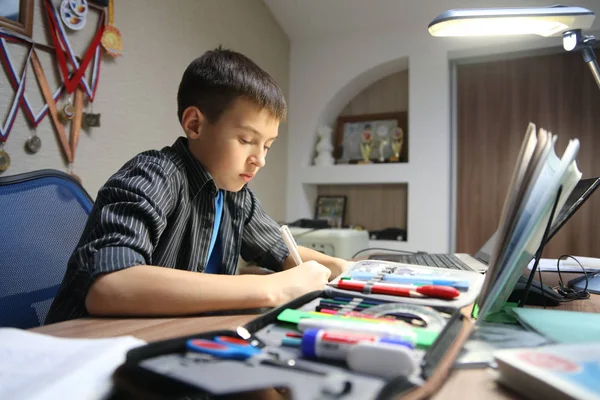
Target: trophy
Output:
[(366, 145), (384, 141), (397, 142)]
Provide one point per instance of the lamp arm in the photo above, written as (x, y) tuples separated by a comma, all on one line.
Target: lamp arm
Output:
[(590, 59)]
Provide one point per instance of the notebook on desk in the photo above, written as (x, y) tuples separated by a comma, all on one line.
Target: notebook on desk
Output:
[(479, 261)]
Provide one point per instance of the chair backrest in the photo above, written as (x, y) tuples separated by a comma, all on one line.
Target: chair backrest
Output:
[(42, 216)]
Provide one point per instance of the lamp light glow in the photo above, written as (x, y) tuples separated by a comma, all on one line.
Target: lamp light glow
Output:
[(543, 21)]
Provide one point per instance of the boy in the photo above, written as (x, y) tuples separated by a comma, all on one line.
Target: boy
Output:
[(168, 215)]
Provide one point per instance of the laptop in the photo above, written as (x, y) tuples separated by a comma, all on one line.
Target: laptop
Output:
[(479, 262)]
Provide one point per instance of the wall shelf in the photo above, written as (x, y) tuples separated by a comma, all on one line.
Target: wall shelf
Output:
[(356, 174)]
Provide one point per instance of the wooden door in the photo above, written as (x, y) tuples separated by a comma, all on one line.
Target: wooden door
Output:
[(495, 102)]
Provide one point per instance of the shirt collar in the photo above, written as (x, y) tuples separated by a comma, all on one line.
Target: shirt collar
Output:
[(197, 175)]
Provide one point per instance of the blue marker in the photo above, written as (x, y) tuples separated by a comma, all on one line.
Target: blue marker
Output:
[(413, 280)]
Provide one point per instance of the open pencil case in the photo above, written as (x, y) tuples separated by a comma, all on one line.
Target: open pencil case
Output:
[(168, 369)]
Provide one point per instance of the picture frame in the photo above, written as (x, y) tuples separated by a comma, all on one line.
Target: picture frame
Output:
[(332, 209), (350, 128), (17, 16)]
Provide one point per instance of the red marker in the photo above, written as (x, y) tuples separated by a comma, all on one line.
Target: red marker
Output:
[(435, 291)]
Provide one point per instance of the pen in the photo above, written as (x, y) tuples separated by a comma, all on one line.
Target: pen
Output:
[(290, 243), (439, 292), (413, 279)]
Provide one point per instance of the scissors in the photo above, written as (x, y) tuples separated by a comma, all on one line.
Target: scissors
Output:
[(231, 348), (225, 347)]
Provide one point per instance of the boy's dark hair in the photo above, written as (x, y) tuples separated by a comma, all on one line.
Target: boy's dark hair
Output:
[(218, 77)]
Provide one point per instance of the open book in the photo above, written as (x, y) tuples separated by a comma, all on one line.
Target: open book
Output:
[(535, 183), (37, 366), (552, 372)]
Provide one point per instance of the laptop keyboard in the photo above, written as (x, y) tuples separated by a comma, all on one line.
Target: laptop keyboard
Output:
[(431, 260)]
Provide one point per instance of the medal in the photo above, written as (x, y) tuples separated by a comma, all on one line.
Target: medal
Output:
[(111, 38), (33, 144), (4, 159), (71, 19), (67, 111), (79, 7)]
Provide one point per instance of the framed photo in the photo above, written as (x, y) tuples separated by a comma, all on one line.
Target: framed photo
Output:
[(389, 132), (17, 16), (332, 209)]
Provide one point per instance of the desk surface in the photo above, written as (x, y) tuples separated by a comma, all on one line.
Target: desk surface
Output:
[(462, 384)]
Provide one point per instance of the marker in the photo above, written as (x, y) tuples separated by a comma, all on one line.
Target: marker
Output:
[(356, 306), (418, 336), (289, 241), (360, 300), (335, 344), (412, 279), (404, 316), (439, 292), (355, 314), (291, 342)]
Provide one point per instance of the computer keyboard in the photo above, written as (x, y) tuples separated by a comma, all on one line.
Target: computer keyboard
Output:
[(431, 260)]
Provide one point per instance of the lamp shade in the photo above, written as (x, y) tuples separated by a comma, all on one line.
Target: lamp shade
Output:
[(543, 21)]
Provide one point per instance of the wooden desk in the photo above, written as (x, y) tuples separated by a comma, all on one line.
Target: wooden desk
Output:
[(472, 384)]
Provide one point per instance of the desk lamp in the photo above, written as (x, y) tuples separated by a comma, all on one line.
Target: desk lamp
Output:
[(543, 21)]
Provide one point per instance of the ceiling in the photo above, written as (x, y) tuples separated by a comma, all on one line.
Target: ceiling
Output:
[(302, 19)]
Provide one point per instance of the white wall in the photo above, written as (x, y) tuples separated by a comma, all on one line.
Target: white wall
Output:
[(326, 73), (137, 92)]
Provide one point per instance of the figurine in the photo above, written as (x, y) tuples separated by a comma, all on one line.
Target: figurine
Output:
[(324, 147)]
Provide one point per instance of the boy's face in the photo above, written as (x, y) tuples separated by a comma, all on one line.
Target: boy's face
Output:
[(233, 148)]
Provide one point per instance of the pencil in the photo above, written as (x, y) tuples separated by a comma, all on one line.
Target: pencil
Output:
[(290, 243)]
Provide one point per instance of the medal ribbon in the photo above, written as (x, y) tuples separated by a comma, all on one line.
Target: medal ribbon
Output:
[(5, 129), (47, 93), (35, 118), (60, 42)]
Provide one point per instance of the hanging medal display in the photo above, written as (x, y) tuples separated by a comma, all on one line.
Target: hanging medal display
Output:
[(62, 46), (68, 146), (6, 127), (111, 38), (34, 117)]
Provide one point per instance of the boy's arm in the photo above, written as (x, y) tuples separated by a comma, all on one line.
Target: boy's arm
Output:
[(152, 291), (336, 265)]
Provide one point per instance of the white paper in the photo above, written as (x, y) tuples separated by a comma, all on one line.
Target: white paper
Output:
[(37, 366), (568, 265)]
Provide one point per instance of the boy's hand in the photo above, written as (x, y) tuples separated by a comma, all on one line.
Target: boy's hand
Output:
[(293, 283)]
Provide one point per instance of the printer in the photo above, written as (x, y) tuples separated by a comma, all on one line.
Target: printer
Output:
[(342, 243)]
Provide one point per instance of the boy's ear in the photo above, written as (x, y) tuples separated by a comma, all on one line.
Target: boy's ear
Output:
[(192, 122)]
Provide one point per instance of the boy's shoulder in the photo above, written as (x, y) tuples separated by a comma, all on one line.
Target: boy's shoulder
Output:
[(167, 163), (166, 159)]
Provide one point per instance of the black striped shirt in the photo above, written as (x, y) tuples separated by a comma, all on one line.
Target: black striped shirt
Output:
[(159, 209)]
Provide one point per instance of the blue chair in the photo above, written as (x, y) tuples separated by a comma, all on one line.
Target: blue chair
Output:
[(42, 216)]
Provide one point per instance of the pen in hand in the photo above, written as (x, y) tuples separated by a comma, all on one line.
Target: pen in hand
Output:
[(290, 243)]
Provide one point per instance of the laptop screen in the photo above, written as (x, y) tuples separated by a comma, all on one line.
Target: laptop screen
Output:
[(578, 196)]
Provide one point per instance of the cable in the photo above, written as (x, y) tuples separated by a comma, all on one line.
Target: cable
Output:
[(568, 293), (383, 249), (307, 232)]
